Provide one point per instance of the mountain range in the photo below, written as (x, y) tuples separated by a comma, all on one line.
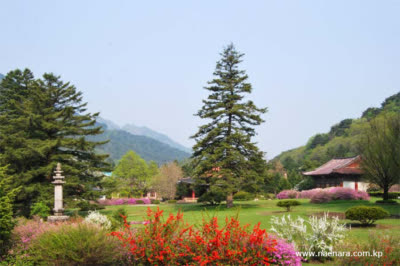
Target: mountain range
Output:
[(149, 144)]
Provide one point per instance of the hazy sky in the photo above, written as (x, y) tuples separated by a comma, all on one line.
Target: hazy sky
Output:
[(312, 63)]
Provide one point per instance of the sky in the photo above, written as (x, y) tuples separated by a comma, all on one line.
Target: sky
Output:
[(312, 63)]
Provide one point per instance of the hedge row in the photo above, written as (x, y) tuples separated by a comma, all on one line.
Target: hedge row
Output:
[(379, 194)]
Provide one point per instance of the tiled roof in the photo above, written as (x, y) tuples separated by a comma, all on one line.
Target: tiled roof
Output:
[(337, 166)]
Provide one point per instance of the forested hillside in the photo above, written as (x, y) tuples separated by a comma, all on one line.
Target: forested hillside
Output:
[(148, 148), (340, 141)]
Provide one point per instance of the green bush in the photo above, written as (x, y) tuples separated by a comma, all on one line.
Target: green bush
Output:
[(288, 204), (116, 216), (7, 221), (390, 201), (76, 244), (154, 201), (139, 201), (379, 194), (87, 206), (366, 215), (269, 196), (243, 195), (172, 201), (214, 195), (40, 209)]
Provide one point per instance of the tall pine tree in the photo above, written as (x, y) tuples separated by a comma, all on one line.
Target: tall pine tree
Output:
[(42, 122), (225, 158)]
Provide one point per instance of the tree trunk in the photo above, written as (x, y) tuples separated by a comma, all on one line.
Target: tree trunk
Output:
[(386, 193), (229, 200)]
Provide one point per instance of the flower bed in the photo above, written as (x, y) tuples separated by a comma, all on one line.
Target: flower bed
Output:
[(173, 242), (319, 195), (127, 201)]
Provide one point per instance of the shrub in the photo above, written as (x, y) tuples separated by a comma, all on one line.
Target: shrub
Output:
[(173, 242), (7, 221), (288, 204), (172, 201), (75, 244), (340, 193), (366, 215), (213, 196), (321, 197), (322, 235), (112, 202), (390, 201), (96, 218), (117, 215), (269, 196), (287, 194), (379, 194), (84, 205), (243, 195), (154, 201), (40, 209)]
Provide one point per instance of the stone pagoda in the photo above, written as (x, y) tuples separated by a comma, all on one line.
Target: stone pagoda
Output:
[(58, 197)]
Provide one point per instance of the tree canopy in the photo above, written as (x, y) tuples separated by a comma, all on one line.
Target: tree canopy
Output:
[(224, 155), (43, 122)]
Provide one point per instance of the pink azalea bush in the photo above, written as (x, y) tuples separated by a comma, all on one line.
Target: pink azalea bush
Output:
[(128, 201), (319, 195), (285, 254), (287, 194)]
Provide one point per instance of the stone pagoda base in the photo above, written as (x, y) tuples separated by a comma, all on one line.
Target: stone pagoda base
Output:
[(57, 219)]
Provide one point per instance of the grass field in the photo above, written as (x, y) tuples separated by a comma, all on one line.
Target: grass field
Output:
[(252, 212)]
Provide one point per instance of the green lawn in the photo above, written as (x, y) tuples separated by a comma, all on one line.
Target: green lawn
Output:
[(252, 212)]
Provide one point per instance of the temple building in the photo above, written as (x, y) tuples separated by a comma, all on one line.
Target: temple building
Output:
[(340, 172)]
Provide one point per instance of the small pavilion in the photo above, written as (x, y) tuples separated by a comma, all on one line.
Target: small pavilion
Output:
[(339, 172)]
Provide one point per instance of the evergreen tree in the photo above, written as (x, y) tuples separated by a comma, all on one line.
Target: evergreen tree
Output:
[(224, 155), (42, 122)]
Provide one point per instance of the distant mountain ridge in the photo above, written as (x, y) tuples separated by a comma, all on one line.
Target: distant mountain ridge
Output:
[(1, 76), (148, 148), (144, 131)]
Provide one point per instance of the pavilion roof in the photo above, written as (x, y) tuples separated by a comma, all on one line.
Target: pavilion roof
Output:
[(346, 166)]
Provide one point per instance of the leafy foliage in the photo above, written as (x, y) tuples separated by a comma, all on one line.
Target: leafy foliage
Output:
[(315, 235), (224, 155), (243, 195), (165, 183), (133, 173), (366, 215), (7, 222), (42, 122), (40, 209), (380, 152), (288, 204), (76, 244)]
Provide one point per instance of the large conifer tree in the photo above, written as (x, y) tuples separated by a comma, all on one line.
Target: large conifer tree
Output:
[(42, 122), (225, 158)]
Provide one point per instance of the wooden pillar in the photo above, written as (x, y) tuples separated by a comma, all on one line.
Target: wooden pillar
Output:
[(356, 186), (193, 194), (341, 184)]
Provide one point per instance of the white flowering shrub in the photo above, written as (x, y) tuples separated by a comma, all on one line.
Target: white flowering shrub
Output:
[(95, 217), (315, 235)]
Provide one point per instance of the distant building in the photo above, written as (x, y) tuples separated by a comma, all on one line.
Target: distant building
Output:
[(340, 172)]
